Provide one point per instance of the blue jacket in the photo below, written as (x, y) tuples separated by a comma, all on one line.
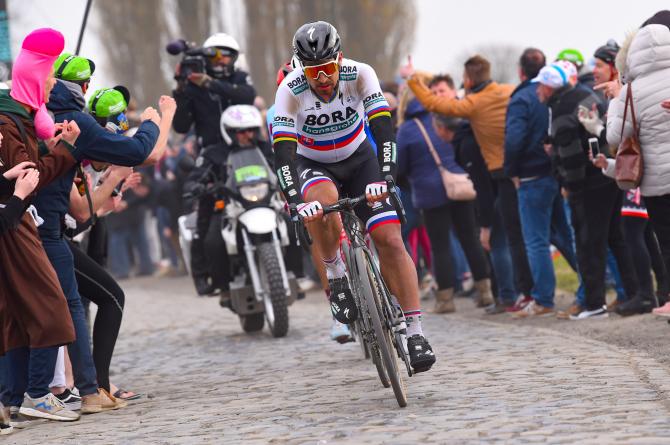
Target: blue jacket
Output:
[(417, 164), (526, 127), (94, 143)]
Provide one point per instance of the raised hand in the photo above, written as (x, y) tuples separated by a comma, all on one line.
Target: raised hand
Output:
[(150, 114), (407, 70), (167, 105), (70, 132)]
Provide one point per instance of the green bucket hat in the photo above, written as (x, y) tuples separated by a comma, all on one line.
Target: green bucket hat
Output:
[(73, 68), (573, 56), (107, 102)]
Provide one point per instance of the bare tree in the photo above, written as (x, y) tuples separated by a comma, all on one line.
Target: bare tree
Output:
[(134, 45), (378, 33)]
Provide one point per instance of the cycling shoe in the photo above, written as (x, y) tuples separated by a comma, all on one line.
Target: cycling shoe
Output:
[(342, 303), (421, 355)]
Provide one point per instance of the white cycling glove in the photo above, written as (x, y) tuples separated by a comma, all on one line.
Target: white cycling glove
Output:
[(376, 189), (590, 120), (307, 209)]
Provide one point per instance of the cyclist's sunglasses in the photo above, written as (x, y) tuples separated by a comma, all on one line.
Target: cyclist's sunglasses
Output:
[(245, 130), (328, 69)]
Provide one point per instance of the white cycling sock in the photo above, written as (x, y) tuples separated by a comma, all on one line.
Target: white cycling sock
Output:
[(413, 319), (335, 267)]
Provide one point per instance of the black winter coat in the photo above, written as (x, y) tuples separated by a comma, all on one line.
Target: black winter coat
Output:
[(204, 106)]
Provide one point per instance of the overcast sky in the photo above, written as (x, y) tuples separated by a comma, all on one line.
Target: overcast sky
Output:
[(445, 28)]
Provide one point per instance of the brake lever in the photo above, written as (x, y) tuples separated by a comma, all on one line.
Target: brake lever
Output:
[(395, 199), (299, 225)]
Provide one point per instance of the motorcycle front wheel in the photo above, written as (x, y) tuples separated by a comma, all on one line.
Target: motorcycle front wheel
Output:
[(276, 306), (252, 322)]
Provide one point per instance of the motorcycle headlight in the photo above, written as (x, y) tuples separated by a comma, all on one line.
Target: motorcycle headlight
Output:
[(255, 192)]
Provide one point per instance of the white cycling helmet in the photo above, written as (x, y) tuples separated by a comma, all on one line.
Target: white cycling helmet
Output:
[(238, 117), (222, 40)]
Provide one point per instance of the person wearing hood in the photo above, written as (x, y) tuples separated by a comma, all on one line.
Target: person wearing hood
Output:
[(95, 143), (416, 163), (644, 67), (33, 310)]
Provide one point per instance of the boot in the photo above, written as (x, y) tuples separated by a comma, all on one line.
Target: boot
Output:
[(444, 302), (485, 297), (635, 306)]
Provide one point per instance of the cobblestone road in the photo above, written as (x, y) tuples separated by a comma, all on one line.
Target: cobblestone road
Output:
[(209, 383)]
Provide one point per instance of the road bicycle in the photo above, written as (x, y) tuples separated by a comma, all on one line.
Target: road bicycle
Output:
[(381, 326)]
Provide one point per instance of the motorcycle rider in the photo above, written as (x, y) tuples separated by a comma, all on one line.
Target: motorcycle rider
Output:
[(240, 128), (201, 99)]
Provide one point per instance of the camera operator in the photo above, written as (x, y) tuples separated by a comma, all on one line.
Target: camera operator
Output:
[(203, 96), (207, 84)]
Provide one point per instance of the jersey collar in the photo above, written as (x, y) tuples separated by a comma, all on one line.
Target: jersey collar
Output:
[(336, 91)]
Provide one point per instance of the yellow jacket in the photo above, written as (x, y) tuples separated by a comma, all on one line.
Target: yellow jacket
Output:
[(484, 109)]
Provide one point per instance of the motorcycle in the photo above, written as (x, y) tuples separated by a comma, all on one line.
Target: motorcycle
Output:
[(255, 233)]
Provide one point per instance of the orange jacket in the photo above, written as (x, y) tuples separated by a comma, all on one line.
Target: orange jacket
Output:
[(484, 109)]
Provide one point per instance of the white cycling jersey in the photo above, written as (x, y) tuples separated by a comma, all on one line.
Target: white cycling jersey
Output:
[(331, 131)]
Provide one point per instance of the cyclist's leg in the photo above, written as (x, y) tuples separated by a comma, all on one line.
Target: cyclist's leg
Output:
[(318, 183)]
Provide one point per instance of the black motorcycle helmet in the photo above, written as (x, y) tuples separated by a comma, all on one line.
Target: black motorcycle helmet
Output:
[(607, 53), (316, 41)]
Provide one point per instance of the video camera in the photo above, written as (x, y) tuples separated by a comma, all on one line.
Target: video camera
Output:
[(194, 60)]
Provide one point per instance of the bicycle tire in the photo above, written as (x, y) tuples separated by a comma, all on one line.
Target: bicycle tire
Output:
[(383, 336), (359, 327)]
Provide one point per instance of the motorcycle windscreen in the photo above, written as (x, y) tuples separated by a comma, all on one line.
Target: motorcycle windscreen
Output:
[(248, 166)]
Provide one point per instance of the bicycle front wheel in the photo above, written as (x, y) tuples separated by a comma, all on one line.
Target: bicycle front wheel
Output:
[(372, 298)]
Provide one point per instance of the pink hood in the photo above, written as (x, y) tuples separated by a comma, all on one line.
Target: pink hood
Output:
[(31, 69)]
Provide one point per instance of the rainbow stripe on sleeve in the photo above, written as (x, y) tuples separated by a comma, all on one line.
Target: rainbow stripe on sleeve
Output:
[(379, 111), (284, 136)]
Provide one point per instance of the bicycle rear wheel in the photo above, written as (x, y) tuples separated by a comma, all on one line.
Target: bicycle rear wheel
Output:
[(372, 298)]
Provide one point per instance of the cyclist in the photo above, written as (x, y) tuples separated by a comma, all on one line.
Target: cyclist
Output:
[(321, 150)]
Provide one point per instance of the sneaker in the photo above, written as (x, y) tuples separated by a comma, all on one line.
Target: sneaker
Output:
[(340, 333), (635, 306), (575, 309), (520, 303), (342, 303), (19, 421), (534, 310), (598, 313), (99, 402), (71, 400), (47, 407), (663, 311), (421, 355), (5, 426)]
